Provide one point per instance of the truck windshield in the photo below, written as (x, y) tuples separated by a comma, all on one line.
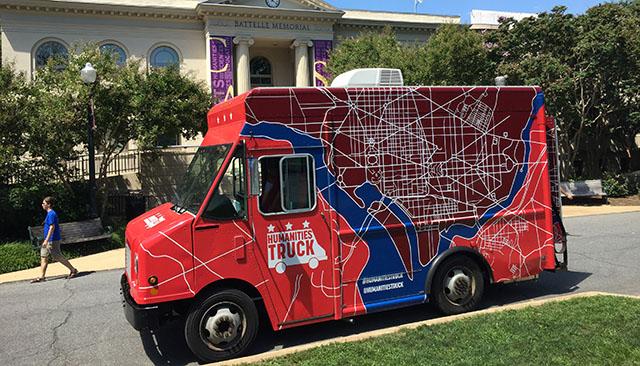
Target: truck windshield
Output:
[(203, 169)]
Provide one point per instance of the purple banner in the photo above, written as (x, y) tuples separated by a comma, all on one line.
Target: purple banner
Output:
[(221, 67), (321, 56)]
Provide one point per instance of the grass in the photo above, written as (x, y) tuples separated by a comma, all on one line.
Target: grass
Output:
[(602, 330), (19, 255)]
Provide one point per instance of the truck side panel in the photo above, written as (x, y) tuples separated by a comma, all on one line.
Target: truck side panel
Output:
[(411, 172)]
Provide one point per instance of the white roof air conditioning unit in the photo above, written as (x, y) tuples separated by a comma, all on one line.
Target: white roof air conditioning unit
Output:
[(368, 78)]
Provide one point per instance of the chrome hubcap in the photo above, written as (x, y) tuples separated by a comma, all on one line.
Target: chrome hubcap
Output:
[(458, 286), (223, 327)]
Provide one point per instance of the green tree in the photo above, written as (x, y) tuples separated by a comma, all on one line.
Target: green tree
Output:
[(376, 50), (588, 67), (170, 103), (131, 104), (456, 55), (607, 60), (537, 51), (14, 104)]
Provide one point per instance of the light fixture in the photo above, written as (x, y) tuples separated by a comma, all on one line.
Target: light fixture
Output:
[(153, 280), (88, 74)]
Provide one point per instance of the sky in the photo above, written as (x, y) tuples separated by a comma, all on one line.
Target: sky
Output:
[(463, 8)]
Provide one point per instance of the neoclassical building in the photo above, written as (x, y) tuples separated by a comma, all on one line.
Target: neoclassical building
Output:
[(233, 45)]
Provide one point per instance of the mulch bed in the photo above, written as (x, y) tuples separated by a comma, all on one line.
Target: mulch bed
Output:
[(625, 201)]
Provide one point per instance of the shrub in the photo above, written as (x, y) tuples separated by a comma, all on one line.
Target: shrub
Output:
[(16, 256), (20, 206), (619, 185)]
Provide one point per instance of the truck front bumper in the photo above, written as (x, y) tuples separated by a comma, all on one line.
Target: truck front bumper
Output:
[(140, 316)]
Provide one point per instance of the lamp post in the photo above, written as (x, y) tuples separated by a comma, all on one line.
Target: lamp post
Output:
[(415, 5), (88, 75)]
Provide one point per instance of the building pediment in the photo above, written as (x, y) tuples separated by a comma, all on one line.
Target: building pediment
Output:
[(279, 4), (270, 9)]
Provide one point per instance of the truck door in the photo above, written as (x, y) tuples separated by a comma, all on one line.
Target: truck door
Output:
[(222, 235), (294, 239)]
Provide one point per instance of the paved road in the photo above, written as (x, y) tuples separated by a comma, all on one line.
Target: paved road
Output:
[(80, 321)]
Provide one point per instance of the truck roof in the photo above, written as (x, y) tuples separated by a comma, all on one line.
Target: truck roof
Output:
[(228, 118)]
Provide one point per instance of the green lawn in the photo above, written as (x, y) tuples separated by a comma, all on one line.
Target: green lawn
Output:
[(19, 255), (602, 330)]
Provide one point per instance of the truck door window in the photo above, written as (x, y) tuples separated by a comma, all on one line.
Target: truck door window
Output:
[(297, 179), (270, 180), (229, 198), (288, 184)]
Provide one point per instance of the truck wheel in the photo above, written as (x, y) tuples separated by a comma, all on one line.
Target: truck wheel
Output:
[(458, 285), (221, 326)]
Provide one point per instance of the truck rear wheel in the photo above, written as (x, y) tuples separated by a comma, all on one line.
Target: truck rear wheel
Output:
[(458, 285), (221, 326)]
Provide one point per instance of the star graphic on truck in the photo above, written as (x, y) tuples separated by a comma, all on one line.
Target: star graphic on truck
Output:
[(289, 226), (271, 228)]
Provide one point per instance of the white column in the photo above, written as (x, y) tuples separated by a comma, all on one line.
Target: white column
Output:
[(302, 61), (242, 63)]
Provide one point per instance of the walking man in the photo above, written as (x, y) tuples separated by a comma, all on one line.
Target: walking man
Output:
[(51, 243)]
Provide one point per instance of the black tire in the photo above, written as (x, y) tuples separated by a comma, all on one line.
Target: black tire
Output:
[(465, 276), (233, 314)]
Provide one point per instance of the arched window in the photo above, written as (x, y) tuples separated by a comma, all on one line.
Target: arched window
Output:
[(118, 53), (51, 50), (260, 72), (164, 56)]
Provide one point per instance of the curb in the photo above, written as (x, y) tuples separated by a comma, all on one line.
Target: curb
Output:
[(376, 333)]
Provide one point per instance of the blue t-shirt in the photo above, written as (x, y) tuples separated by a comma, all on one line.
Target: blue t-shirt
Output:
[(52, 219)]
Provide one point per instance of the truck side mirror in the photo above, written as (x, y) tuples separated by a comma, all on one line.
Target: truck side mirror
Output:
[(254, 176)]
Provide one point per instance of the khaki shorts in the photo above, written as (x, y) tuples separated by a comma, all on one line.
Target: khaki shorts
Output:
[(53, 250)]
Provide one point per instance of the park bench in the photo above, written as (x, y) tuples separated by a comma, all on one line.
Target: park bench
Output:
[(73, 232), (586, 188)]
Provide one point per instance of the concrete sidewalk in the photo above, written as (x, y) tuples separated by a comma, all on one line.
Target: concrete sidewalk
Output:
[(576, 211), (114, 259)]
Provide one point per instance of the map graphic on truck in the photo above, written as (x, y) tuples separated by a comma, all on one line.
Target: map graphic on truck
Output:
[(293, 247)]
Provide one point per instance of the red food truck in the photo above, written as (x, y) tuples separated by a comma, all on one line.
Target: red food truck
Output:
[(318, 204)]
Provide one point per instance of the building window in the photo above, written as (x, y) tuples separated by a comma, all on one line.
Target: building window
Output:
[(116, 51), (260, 72), (51, 50), (164, 56), (288, 184), (169, 139)]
